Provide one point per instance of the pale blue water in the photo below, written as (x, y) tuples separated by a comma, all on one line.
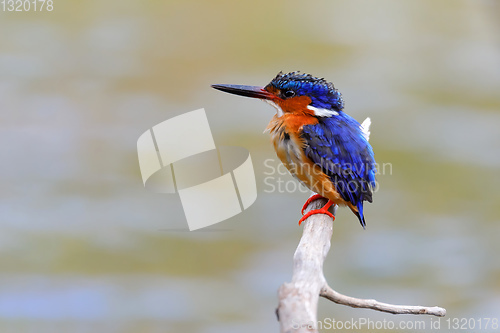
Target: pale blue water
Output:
[(84, 247)]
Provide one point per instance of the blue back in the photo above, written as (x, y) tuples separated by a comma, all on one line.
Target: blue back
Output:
[(338, 145)]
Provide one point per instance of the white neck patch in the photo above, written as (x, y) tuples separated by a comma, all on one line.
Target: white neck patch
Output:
[(279, 111), (317, 111), (322, 112)]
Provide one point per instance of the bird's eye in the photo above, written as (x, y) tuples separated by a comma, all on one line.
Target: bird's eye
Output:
[(289, 93)]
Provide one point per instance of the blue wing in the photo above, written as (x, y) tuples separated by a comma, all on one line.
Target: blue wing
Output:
[(339, 147)]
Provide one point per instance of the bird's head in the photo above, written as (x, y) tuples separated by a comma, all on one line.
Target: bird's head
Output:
[(294, 93)]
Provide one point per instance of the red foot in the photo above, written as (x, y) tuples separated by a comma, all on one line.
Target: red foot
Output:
[(311, 199), (323, 210)]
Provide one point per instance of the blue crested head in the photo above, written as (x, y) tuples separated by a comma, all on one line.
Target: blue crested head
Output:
[(322, 93)]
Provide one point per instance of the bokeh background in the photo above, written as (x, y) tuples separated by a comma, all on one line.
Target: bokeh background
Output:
[(84, 247)]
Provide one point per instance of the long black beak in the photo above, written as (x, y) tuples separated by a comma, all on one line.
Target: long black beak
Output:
[(247, 91)]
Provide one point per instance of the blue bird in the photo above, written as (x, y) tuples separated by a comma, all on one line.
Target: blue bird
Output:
[(323, 147)]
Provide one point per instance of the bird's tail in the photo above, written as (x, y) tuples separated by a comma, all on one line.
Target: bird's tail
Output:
[(359, 213)]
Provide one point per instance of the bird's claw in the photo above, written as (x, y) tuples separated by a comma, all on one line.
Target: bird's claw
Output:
[(311, 199), (323, 210)]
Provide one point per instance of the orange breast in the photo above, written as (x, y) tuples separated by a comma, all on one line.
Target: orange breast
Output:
[(285, 135)]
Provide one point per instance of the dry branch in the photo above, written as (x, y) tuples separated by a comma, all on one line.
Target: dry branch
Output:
[(298, 300)]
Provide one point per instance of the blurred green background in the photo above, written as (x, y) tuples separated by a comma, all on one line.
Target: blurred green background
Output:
[(84, 247)]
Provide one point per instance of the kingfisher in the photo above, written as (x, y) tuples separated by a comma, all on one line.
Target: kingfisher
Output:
[(323, 147)]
